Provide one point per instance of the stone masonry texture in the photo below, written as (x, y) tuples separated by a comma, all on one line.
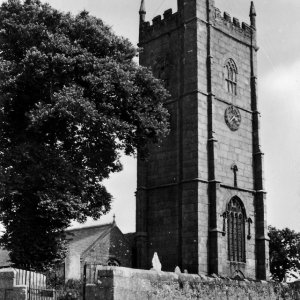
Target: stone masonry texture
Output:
[(185, 186), (130, 284)]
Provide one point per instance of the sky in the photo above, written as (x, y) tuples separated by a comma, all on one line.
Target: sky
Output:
[(278, 26)]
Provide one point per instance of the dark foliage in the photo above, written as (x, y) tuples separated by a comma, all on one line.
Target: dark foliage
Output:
[(72, 100), (284, 251)]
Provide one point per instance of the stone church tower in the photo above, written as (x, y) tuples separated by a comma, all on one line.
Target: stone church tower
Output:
[(201, 203)]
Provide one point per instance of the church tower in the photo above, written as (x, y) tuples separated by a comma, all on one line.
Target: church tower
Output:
[(201, 203)]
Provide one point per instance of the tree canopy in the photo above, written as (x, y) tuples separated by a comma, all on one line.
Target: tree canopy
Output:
[(284, 252), (71, 100)]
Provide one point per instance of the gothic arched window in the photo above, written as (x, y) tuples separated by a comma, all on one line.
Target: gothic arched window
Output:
[(236, 219), (230, 70), (113, 262)]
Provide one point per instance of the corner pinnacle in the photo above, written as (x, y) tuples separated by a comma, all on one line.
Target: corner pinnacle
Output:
[(142, 8), (252, 15), (142, 13), (252, 9)]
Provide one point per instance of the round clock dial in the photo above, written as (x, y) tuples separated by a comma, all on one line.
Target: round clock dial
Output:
[(232, 118)]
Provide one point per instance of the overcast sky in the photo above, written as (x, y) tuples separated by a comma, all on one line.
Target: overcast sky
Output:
[(278, 25)]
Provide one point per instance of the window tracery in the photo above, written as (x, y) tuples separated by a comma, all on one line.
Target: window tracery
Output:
[(236, 219), (113, 262), (231, 76)]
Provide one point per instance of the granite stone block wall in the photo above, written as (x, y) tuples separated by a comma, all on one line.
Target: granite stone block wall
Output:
[(129, 284), (14, 286), (185, 186)]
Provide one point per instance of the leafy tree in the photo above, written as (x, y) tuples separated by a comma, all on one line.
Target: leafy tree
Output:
[(284, 251), (72, 100)]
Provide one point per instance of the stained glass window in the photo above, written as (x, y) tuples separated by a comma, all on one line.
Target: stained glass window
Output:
[(236, 218)]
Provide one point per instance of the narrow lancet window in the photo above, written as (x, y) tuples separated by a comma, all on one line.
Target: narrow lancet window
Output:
[(230, 70), (236, 230)]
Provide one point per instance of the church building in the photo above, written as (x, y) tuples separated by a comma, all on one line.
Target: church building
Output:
[(201, 203)]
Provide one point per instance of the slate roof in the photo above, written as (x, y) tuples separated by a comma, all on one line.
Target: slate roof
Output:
[(80, 239), (130, 236)]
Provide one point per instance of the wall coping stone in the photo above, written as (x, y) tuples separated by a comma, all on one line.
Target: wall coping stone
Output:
[(153, 276)]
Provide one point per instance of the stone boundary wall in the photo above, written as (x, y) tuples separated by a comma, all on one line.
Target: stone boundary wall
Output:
[(9, 290), (117, 283), (17, 284)]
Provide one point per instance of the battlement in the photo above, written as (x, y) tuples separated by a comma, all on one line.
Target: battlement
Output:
[(231, 26), (170, 21), (159, 25)]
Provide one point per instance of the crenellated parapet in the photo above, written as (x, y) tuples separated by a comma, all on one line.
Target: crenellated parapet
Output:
[(160, 25), (169, 21), (232, 26)]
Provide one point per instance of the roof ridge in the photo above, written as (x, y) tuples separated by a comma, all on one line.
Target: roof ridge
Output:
[(91, 226)]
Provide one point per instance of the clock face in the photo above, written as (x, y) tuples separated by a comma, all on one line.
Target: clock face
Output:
[(232, 118)]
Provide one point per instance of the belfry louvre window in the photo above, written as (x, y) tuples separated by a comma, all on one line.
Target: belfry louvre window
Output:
[(231, 76), (236, 218)]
